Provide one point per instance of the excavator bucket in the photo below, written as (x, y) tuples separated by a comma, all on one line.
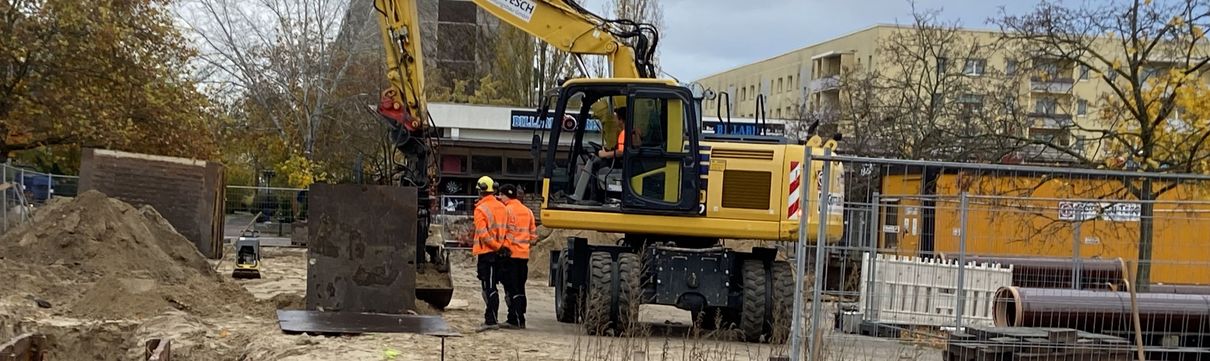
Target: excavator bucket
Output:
[(434, 283)]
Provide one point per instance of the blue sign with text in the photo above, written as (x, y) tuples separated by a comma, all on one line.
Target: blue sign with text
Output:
[(528, 119)]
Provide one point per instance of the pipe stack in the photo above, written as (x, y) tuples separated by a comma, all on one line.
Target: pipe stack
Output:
[(1101, 311)]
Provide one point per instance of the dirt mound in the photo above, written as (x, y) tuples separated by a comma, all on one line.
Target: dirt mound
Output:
[(552, 239), (101, 258)]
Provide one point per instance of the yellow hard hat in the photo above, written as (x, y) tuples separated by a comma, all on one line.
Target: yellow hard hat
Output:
[(486, 184)]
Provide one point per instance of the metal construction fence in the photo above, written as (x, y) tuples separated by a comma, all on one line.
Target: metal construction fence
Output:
[(1082, 264), (26, 189)]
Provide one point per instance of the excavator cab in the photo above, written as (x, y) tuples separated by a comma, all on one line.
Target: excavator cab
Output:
[(656, 172)]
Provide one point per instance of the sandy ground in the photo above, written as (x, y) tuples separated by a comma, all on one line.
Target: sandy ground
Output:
[(284, 273), (254, 335)]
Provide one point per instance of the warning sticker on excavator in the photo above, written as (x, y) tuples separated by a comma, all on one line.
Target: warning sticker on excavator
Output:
[(523, 9)]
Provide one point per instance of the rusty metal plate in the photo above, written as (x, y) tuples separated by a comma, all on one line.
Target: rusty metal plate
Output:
[(361, 322), (362, 249)]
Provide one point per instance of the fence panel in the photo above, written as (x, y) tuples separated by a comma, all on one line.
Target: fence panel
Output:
[(1118, 258), (24, 190)]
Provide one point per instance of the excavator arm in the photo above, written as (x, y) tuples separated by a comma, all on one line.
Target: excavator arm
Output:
[(570, 28)]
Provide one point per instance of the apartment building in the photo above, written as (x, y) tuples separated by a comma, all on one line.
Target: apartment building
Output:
[(1057, 98)]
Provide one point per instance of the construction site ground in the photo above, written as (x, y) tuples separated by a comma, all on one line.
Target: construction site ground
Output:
[(102, 305)]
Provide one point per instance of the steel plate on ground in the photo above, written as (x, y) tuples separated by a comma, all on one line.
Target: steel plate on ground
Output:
[(361, 322), (362, 248)]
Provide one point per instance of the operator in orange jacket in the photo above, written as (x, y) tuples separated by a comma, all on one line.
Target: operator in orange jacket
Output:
[(491, 235), (522, 231)]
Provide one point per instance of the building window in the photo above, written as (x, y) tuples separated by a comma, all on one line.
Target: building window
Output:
[(1080, 146), (970, 104), (974, 67), (1084, 72), (777, 114), (1010, 67), (520, 166), (790, 83), (1081, 107), (779, 85), (453, 164), (486, 164), (742, 91), (1045, 106), (942, 63)]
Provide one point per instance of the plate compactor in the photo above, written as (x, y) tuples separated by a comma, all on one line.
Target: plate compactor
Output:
[(247, 256)]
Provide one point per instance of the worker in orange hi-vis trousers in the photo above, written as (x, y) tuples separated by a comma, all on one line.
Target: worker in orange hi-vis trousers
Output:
[(491, 235), (522, 231)]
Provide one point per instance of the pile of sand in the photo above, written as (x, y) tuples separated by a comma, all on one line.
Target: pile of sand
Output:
[(556, 239), (100, 258)]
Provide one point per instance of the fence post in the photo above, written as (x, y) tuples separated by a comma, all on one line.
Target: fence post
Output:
[(1075, 255), (4, 194), (961, 294), (875, 228), (800, 257), (825, 202)]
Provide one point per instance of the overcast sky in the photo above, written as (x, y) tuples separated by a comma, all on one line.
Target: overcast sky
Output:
[(703, 37)]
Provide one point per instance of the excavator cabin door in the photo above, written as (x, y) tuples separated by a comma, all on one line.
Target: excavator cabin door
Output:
[(661, 155)]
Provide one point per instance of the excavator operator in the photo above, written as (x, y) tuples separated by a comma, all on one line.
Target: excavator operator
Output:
[(592, 185)]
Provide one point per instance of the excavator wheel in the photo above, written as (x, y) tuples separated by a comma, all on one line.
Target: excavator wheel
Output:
[(752, 317), (783, 301), (567, 300), (628, 293), (598, 299)]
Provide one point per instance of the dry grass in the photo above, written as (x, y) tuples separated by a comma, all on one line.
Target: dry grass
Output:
[(719, 342)]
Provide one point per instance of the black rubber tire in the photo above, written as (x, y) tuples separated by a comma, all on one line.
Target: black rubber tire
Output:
[(598, 298), (567, 300), (783, 302), (629, 293), (752, 316)]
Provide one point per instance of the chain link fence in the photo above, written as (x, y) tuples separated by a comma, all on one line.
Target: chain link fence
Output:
[(1017, 261), (271, 211)]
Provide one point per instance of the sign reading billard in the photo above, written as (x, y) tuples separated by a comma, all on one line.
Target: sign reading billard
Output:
[(528, 120)]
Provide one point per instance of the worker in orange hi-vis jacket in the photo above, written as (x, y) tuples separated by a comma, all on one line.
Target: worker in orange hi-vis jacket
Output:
[(491, 235), (522, 232)]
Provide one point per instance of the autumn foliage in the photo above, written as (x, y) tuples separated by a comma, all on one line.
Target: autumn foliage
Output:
[(109, 74)]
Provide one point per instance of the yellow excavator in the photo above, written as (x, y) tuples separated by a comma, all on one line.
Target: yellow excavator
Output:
[(674, 192)]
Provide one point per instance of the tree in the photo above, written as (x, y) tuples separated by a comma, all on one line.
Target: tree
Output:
[(101, 74), (281, 61), (930, 94), (1152, 56)]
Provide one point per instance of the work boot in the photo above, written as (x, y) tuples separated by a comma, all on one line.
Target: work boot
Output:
[(514, 326), (486, 327)]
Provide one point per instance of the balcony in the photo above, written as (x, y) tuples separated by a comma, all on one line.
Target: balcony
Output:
[(1051, 85), (1051, 120), (1038, 153), (828, 83)]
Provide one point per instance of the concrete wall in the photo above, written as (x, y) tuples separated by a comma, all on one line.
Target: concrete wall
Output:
[(187, 192)]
